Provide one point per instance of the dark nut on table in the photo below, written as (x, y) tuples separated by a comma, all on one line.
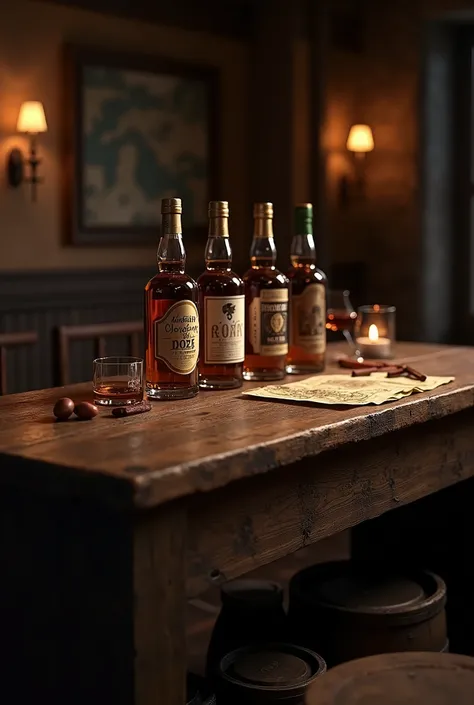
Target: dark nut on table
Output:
[(85, 411), (63, 408)]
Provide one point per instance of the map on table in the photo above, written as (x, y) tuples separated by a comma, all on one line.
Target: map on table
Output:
[(144, 137), (352, 391)]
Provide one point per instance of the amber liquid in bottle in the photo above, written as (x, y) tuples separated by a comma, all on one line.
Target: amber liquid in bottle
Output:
[(221, 309), (266, 304), (308, 286), (171, 316)]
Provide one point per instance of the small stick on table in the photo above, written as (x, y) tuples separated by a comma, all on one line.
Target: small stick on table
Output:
[(364, 371), (395, 371), (132, 409), (367, 371), (414, 373), (349, 364)]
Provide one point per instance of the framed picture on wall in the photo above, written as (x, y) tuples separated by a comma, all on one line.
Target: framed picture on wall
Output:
[(139, 129)]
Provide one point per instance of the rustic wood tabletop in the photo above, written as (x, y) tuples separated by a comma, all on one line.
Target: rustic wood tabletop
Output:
[(184, 447)]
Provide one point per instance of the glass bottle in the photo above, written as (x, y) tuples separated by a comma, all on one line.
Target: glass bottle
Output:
[(221, 308), (266, 301), (308, 286), (171, 316)]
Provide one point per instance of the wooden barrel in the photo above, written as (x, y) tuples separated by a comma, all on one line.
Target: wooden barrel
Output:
[(270, 674), (397, 679), (346, 610)]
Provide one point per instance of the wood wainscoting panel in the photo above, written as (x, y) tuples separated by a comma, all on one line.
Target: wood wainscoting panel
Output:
[(42, 301)]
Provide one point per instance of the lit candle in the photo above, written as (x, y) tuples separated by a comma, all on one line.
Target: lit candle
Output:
[(373, 346)]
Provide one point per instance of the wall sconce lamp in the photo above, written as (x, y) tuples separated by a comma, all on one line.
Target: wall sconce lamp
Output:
[(31, 121), (360, 141)]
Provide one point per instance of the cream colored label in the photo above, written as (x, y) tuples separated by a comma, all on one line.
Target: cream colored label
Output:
[(308, 319), (177, 337), (225, 337), (268, 322)]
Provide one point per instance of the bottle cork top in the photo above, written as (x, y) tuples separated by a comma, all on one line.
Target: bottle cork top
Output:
[(171, 205), (218, 209), (263, 210)]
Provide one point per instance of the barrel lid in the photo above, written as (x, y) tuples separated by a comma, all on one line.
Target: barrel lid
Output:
[(397, 679), (252, 594), (368, 588), (271, 668), (358, 590)]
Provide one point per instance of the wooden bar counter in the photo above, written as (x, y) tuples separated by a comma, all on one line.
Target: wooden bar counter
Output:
[(108, 525)]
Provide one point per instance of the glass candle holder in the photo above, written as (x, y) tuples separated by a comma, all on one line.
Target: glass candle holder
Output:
[(375, 331), (117, 381)]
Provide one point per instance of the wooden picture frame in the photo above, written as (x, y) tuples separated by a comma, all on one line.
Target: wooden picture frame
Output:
[(137, 129)]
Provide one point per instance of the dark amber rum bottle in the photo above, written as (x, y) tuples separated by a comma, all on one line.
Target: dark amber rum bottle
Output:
[(171, 316), (221, 308), (308, 286), (266, 304)]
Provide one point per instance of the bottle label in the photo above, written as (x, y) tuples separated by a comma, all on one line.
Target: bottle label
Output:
[(225, 337), (177, 337), (308, 316), (268, 324)]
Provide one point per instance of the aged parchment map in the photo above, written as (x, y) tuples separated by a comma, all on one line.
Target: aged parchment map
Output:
[(352, 391)]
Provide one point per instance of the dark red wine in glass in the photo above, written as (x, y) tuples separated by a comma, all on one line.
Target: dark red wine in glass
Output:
[(341, 318)]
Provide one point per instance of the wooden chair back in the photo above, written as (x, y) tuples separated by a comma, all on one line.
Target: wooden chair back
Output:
[(98, 332), (10, 340)]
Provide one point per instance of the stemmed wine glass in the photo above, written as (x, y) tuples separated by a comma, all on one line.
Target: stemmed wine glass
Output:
[(341, 317)]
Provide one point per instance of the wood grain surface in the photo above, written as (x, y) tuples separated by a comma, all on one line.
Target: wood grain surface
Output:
[(159, 614), (256, 521), (397, 679), (181, 448)]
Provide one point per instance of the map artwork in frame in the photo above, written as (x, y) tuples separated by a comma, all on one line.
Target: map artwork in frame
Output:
[(142, 130)]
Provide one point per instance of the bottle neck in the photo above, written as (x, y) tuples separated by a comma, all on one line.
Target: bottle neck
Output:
[(218, 253), (263, 250), (303, 251), (171, 255)]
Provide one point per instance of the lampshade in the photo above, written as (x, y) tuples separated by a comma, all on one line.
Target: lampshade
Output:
[(32, 117), (360, 139)]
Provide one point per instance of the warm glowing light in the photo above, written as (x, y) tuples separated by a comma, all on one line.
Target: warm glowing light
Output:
[(360, 139), (32, 118), (373, 332)]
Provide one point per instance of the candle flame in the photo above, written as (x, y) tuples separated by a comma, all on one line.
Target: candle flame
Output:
[(373, 332)]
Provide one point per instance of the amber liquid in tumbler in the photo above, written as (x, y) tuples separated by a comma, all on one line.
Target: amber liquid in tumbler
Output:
[(168, 287), (263, 276), (119, 393), (221, 309)]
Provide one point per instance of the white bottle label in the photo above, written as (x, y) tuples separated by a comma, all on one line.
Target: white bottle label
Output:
[(224, 330)]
